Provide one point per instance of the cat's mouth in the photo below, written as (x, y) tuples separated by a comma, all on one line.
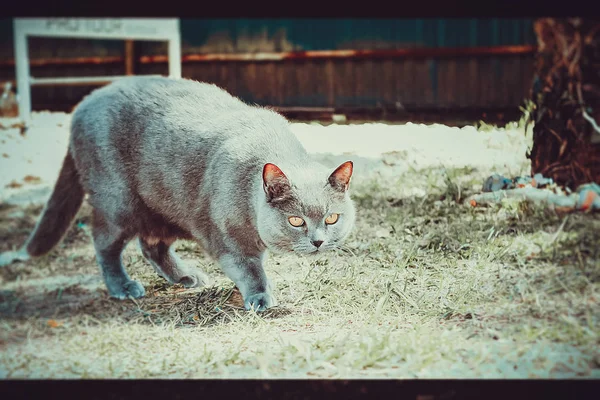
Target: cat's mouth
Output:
[(306, 252), (314, 252), (310, 251)]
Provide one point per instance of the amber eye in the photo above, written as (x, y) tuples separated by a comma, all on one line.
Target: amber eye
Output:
[(332, 219), (296, 221)]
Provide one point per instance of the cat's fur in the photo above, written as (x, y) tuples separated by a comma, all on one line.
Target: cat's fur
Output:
[(164, 159)]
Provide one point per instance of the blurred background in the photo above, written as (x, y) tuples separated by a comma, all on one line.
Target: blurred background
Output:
[(457, 72), (424, 70)]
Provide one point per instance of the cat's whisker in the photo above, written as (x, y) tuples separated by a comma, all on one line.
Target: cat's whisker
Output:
[(345, 249)]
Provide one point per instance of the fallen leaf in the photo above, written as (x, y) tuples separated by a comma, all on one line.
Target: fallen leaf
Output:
[(14, 184), (531, 256), (589, 199), (32, 179), (21, 126), (54, 324)]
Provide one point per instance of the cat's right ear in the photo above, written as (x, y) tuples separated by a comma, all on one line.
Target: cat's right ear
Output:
[(275, 183), (340, 178)]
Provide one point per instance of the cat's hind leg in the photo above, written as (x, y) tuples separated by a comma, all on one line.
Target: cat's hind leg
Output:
[(109, 242), (167, 264)]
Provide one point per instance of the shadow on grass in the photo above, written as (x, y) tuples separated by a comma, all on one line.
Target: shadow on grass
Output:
[(74, 297), (162, 304)]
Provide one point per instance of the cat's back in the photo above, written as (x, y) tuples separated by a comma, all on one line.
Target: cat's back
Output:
[(134, 117), (157, 96), (173, 112)]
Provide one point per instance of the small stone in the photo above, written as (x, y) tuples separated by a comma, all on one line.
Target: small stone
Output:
[(383, 233)]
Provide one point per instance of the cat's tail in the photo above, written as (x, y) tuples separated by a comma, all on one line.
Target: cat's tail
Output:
[(58, 214)]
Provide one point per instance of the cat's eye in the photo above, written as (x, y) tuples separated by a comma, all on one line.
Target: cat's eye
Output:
[(332, 219), (296, 221)]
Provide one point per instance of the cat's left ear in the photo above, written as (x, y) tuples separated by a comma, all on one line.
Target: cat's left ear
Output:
[(340, 178)]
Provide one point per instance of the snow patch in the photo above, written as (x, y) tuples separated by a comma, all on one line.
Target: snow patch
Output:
[(40, 151)]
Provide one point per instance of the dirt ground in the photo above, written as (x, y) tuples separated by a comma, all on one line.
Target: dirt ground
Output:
[(425, 287)]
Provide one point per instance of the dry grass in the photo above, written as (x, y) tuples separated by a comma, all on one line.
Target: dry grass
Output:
[(425, 287)]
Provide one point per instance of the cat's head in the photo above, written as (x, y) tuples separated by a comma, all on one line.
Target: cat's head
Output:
[(309, 213)]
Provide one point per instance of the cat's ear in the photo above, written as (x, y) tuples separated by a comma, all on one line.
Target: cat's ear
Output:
[(340, 178), (276, 184)]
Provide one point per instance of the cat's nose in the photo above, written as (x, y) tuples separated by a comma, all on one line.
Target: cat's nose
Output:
[(317, 243)]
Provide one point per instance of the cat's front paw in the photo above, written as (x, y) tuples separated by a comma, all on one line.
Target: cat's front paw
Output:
[(130, 288), (259, 301)]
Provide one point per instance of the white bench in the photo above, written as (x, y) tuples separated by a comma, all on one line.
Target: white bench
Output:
[(155, 29)]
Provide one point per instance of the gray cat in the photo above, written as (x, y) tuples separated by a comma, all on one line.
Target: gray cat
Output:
[(165, 159)]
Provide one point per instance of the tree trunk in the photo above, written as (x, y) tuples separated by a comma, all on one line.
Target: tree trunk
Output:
[(566, 97)]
